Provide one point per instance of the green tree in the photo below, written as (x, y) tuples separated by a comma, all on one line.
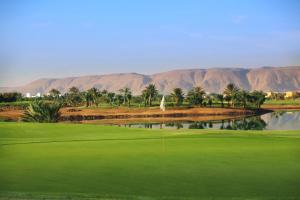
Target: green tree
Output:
[(93, 95), (10, 96), (88, 98), (277, 96), (73, 97), (111, 97), (229, 92), (54, 93), (126, 93), (149, 94), (104, 92), (39, 111), (209, 100), (220, 98), (196, 96), (258, 98), (74, 90), (177, 96), (228, 99), (119, 99), (241, 97)]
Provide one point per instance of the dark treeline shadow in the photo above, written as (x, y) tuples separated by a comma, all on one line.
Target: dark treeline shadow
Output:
[(177, 125), (248, 123), (251, 123)]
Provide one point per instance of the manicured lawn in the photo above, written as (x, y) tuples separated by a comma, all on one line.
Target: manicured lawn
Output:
[(67, 161), (283, 102)]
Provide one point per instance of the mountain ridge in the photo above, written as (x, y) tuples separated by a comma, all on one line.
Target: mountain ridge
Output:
[(212, 80)]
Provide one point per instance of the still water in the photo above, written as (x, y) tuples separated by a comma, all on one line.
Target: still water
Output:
[(283, 120)]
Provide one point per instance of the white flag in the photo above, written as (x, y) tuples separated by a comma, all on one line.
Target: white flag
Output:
[(162, 104)]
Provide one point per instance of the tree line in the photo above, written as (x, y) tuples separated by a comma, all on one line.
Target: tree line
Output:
[(232, 96), (48, 109), (10, 96)]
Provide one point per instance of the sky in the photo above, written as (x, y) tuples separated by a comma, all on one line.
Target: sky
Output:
[(63, 38)]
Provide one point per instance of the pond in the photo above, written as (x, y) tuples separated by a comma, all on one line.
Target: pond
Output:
[(279, 120)]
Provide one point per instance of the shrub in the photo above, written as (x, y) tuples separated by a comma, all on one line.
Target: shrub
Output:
[(40, 111)]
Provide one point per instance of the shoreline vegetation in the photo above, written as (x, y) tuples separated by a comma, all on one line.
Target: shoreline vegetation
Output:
[(131, 114), (175, 113), (119, 115), (93, 104)]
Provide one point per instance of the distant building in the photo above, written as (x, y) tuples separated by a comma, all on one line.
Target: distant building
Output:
[(292, 94), (28, 95), (289, 94), (268, 94)]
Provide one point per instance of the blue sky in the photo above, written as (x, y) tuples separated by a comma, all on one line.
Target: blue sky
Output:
[(59, 38)]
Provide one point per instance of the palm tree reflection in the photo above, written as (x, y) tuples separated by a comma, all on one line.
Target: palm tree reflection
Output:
[(177, 125), (251, 123)]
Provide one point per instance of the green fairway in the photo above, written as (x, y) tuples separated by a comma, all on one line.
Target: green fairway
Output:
[(283, 102), (69, 161)]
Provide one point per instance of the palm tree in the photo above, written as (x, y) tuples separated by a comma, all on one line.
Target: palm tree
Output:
[(94, 95), (54, 93), (39, 111), (258, 98), (119, 99), (149, 94), (126, 93), (104, 92), (220, 98), (145, 97), (74, 90), (111, 97), (196, 95), (88, 98), (73, 97), (177, 96), (241, 97), (128, 97), (228, 99), (229, 91), (209, 100)]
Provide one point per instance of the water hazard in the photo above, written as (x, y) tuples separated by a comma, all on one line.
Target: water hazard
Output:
[(280, 120)]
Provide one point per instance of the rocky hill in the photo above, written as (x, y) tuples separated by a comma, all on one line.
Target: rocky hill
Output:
[(212, 80)]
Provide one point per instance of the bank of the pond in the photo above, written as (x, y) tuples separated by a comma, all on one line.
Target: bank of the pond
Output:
[(83, 114), (275, 107), (148, 120), (75, 114)]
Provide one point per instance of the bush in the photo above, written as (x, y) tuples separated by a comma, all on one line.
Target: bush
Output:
[(40, 111)]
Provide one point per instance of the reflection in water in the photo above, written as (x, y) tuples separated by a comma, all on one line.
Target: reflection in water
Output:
[(197, 125), (251, 123), (272, 121), (177, 125), (283, 120)]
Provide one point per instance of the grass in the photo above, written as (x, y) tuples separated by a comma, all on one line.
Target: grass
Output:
[(283, 102), (21, 104), (73, 161)]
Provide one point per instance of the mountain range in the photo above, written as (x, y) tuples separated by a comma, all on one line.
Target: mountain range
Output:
[(212, 80)]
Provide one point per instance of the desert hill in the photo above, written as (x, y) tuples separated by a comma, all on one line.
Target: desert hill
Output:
[(212, 80)]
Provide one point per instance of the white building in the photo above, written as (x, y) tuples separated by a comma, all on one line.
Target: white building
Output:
[(28, 95)]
